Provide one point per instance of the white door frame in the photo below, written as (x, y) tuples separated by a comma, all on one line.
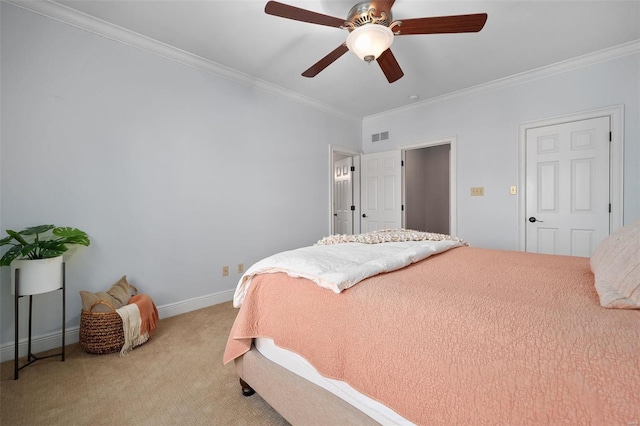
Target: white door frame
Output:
[(453, 192), (335, 151), (616, 116)]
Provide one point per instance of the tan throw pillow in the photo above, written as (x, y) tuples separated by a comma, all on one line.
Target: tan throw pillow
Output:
[(121, 291), (616, 267), (117, 296), (88, 299)]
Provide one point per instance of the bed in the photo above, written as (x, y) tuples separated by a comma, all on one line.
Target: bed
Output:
[(445, 333)]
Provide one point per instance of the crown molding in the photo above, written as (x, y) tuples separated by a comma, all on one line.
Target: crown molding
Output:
[(599, 56), (85, 22)]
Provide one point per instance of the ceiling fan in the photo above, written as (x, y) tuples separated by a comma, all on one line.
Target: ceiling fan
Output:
[(372, 29)]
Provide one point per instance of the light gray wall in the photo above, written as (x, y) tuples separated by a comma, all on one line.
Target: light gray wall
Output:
[(486, 127), (173, 172)]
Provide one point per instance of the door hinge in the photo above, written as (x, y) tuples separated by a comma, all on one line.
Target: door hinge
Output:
[(402, 207), (609, 207), (353, 168), (401, 163), (610, 136), (353, 208)]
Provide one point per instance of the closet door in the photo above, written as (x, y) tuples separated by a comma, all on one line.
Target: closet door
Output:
[(567, 176)]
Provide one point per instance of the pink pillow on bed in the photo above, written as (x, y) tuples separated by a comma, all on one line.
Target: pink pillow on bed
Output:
[(616, 267)]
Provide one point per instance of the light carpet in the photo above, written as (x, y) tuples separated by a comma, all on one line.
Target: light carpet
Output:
[(176, 378)]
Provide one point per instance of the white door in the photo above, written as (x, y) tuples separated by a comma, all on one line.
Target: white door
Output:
[(567, 192), (343, 196), (381, 183)]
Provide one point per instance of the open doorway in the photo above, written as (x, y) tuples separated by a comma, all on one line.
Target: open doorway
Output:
[(429, 186), (428, 193), (427, 189), (345, 191)]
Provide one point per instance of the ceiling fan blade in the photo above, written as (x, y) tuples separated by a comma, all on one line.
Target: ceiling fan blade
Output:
[(326, 61), (443, 24), (291, 12), (382, 5), (390, 66)]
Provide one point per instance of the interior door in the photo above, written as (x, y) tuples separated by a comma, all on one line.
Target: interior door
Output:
[(343, 193), (381, 183), (567, 187)]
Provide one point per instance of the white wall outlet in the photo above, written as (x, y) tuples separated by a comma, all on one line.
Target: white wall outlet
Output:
[(225, 271), (513, 190), (240, 268), (477, 191)]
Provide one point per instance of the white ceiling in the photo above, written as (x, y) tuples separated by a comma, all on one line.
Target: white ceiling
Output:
[(519, 36)]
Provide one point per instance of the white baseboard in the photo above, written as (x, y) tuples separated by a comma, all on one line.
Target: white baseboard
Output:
[(196, 303), (54, 340)]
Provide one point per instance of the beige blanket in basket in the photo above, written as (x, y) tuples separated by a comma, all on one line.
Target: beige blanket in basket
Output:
[(139, 321)]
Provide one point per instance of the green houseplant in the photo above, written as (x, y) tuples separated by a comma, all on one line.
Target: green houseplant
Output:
[(37, 242), (37, 253)]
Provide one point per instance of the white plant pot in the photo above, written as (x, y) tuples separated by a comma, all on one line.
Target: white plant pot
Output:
[(37, 276)]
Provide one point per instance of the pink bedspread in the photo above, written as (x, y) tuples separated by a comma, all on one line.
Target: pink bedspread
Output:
[(470, 336)]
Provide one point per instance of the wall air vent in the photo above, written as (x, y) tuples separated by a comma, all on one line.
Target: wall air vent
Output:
[(376, 137)]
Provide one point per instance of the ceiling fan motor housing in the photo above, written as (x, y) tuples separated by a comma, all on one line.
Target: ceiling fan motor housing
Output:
[(362, 14)]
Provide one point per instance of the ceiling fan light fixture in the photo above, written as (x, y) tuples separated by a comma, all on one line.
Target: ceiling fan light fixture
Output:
[(369, 41)]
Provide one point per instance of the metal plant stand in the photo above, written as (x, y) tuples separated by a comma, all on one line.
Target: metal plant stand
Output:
[(31, 358)]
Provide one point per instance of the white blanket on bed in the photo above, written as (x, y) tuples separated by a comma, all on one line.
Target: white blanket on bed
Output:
[(340, 266)]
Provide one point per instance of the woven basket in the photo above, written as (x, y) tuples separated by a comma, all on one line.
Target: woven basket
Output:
[(101, 332)]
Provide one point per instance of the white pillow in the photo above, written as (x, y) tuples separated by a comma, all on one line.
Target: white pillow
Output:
[(616, 267)]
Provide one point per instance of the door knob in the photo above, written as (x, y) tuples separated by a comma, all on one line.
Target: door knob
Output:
[(364, 215), (533, 219)]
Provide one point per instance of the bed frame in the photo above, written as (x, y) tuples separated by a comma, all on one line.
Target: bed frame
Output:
[(296, 399)]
